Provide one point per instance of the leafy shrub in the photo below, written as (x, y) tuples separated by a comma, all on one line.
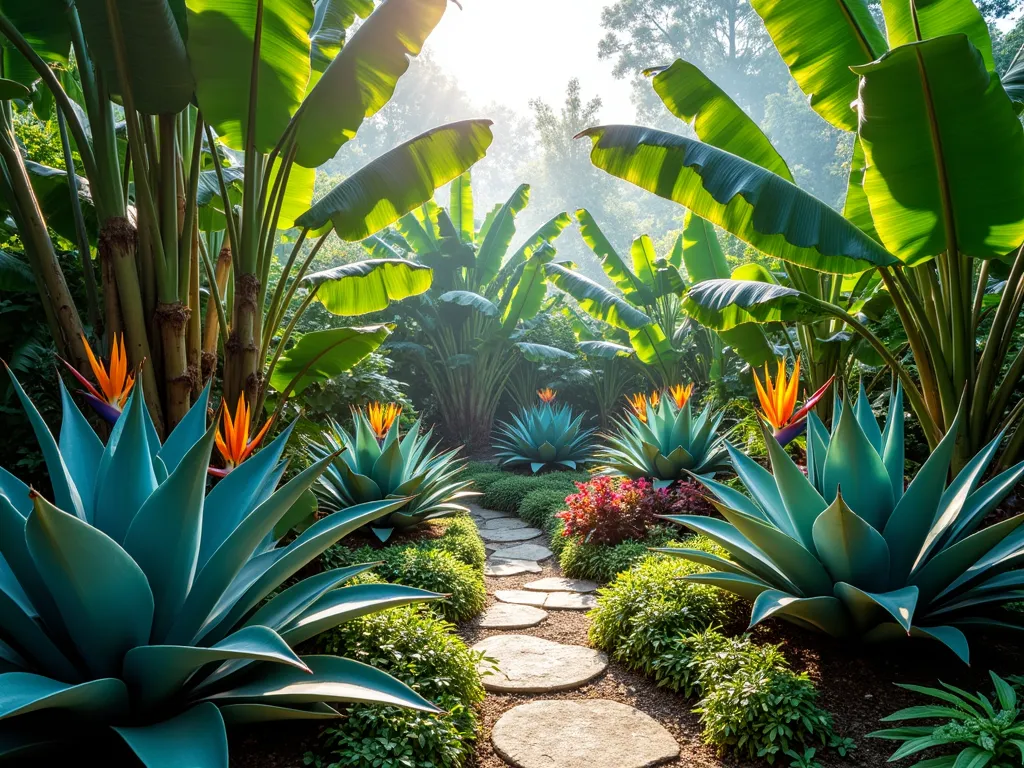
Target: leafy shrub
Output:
[(980, 731), (421, 651), (483, 474), (460, 538), (507, 494), (754, 704), (539, 506), (606, 511), (648, 607), (414, 565), (602, 563), (688, 499)]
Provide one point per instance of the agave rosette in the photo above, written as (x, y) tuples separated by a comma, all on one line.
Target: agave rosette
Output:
[(136, 607), (664, 442), (847, 551), (545, 435), (366, 469)]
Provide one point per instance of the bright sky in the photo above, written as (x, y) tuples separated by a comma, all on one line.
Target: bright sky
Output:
[(510, 51)]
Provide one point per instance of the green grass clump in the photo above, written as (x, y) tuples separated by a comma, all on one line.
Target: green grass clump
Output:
[(421, 651), (508, 493), (482, 474), (540, 505)]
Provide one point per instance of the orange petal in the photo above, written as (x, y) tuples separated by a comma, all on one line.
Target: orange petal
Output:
[(766, 402), (222, 447), (255, 441), (97, 367)]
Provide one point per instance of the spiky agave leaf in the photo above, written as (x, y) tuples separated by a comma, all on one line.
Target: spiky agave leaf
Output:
[(669, 446), (545, 435), (846, 550), (137, 604), (364, 469)]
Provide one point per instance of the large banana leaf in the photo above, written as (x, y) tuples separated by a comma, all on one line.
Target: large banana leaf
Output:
[(499, 236), (596, 300), (944, 151), (528, 293), (321, 355), (156, 62), (725, 304), (362, 78), (820, 40), (376, 195), (460, 206), (45, 27), (705, 260), (691, 96), (220, 49), (856, 208), (368, 286), (759, 207), (612, 264), (935, 18), (331, 19)]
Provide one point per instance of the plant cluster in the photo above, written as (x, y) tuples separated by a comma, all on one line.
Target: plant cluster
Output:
[(848, 551), (374, 461), (982, 731), (422, 652), (541, 506), (606, 511), (544, 436), (507, 493), (202, 630)]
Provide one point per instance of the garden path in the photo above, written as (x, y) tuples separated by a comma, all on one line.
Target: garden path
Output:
[(553, 701)]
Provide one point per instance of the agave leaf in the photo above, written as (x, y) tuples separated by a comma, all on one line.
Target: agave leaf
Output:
[(249, 714), (802, 502), (960, 492), (187, 433), (158, 672), (853, 465), (864, 605), (81, 449), (288, 604), (24, 692), (893, 444), (762, 487), (850, 549), (387, 469), (866, 419), (22, 629), (754, 204), (731, 497), (333, 679), (824, 613), (82, 568), (951, 637), (165, 534), (196, 737), (347, 603)]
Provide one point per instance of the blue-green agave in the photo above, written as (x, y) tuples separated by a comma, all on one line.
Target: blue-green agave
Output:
[(366, 469), (136, 607), (542, 436), (847, 551), (664, 442)]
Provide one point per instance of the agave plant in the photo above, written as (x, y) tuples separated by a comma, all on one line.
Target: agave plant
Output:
[(847, 551), (546, 435), (660, 439), (134, 605), (374, 462)]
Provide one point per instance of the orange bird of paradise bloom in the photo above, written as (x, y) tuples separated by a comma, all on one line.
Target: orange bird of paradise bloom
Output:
[(655, 399), (638, 404), (381, 417), (680, 394), (233, 437), (115, 383), (778, 401), (546, 395)]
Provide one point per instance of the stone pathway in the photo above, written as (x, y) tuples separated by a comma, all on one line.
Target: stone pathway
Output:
[(557, 732)]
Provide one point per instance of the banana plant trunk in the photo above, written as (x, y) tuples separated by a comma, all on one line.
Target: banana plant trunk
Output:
[(211, 325), (241, 369)]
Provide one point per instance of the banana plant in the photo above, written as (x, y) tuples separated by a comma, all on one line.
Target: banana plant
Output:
[(139, 610), (243, 100), (464, 333), (645, 309), (935, 207)]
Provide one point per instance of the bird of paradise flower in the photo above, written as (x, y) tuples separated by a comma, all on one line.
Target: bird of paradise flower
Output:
[(778, 401)]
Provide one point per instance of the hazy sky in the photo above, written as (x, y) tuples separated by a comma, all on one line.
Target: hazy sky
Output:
[(510, 51)]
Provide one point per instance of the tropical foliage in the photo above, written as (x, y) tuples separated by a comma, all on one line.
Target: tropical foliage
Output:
[(139, 608), (545, 436), (932, 125), (227, 112), (375, 462), (465, 333), (845, 550), (661, 440)]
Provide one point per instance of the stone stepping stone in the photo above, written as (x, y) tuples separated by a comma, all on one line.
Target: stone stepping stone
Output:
[(504, 524), (485, 514), (521, 597), (507, 616), (556, 584), (527, 664), (505, 536), (523, 552), (570, 601), (495, 567), (593, 733)]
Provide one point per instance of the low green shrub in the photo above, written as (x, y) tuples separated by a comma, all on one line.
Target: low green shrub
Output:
[(508, 493), (602, 563), (460, 538), (482, 474), (421, 651), (753, 704), (540, 505), (641, 615), (430, 568)]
